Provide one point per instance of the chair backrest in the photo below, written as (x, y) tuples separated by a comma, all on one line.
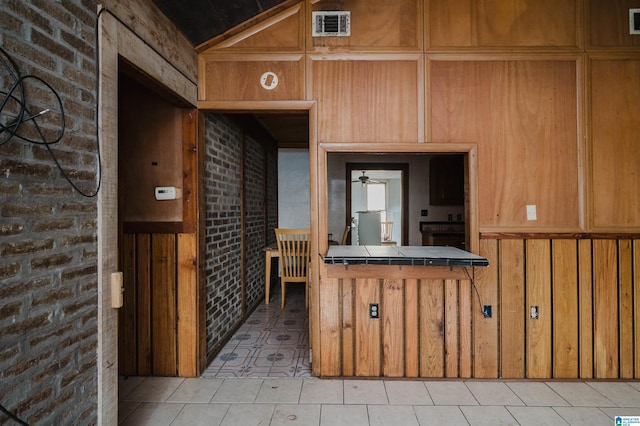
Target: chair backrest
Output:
[(345, 235), (387, 231), (294, 249)]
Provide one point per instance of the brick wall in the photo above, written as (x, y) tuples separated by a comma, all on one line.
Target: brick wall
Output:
[(48, 234), (224, 192)]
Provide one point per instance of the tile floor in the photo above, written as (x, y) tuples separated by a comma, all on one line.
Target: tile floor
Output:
[(262, 377)]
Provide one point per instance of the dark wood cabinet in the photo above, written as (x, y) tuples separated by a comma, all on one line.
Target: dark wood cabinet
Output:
[(446, 180)]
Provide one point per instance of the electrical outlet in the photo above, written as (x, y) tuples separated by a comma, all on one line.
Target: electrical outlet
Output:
[(531, 212), (424, 212), (534, 313), (373, 310), (634, 21), (486, 311)]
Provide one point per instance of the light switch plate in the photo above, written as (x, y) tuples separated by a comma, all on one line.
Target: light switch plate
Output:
[(531, 212), (634, 21)]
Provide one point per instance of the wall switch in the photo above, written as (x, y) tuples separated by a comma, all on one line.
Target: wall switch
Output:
[(373, 310), (634, 21), (532, 214)]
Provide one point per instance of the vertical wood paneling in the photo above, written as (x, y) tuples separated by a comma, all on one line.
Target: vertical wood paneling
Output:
[(163, 304), (431, 328), (585, 298), (411, 328), (485, 330), (464, 328), (636, 311), (538, 293), (367, 330), (451, 316), (605, 313), (144, 304), (330, 327), (393, 321), (625, 272), (512, 313), (127, 332), (565, 309), (187, 334), (347, 328)]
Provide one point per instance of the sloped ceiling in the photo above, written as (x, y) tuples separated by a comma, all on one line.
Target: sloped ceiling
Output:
[(202, 20)]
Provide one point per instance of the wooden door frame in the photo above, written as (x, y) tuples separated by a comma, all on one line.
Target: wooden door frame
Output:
[(403, 167)]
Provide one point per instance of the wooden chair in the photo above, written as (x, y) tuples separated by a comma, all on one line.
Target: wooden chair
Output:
[(345, 235), (294, 250)]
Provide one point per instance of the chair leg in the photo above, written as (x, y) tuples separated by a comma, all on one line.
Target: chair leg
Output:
[(282, 286)]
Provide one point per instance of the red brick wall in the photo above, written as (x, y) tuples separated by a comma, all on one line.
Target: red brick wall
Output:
[(48, 232)]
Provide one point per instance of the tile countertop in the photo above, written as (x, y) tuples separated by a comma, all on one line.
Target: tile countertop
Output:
[(402, 255)]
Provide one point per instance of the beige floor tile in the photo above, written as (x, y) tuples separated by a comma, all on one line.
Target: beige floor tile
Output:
[(584, 416), (536, 394), (238, 390), (536, 416), (365, 392), (402, 392), (154, 389), (621, 411), (299, 415), (386, 415), (153, 414), (493, 393), (344, 415), (579, 394), (488, 416), (280, 391), (201, 415), (248, 414), (196, 390), (622, 394), (321, 391), (450, 393), (440, 415)]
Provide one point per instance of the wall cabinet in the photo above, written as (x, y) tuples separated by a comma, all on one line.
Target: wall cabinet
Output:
[(446, 180)]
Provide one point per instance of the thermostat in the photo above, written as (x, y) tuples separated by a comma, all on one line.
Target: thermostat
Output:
[(167, 193)]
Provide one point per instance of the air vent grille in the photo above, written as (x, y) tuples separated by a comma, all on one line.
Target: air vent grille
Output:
[(331, 23)]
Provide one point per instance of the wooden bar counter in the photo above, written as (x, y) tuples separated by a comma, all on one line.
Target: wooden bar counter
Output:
[(396, 312)]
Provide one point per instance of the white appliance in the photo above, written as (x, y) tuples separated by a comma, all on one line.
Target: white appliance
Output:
[(369, 230)]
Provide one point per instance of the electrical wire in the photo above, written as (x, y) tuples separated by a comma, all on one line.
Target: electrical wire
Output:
[(13, 416), (16, 94), (473, 284)]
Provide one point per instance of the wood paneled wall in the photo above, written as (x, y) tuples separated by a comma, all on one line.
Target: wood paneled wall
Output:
[(586, 293), (159, 272)]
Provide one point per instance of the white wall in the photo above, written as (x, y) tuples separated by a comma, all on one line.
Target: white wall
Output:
[(294, 185)]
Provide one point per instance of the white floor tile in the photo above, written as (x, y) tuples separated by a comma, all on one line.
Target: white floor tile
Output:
[(403, 392), (153, 414), (196, 390), (365, 392), (579, 394), (344, 415), (154, 389), (386, 415), (450, 393), (201, 415), (621, 393), (584, 416), (493, 393), (248, 414), (536, 394), (440, 415), (321, 391), (299, 415), (536, 416), (280, 391), (488, 416), (238, 390)]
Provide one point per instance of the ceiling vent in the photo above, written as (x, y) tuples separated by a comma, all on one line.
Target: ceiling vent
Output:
[(331, 24)]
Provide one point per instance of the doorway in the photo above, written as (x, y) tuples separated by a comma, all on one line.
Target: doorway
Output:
[(381, 188)]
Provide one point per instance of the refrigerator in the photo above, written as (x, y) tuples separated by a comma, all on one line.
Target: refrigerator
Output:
[(369, 231)]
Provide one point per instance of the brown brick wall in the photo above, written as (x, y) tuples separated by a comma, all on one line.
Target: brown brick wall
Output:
[(48, 232)]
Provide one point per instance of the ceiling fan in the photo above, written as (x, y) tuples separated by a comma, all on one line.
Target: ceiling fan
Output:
[(364, 179)]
